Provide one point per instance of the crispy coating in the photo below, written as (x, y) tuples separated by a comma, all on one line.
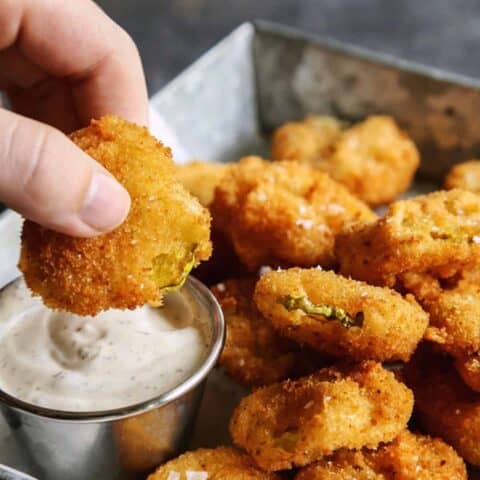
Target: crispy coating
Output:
[(408, 457), (388, 327), (219, 464), (294, 423), (464, 175), (254, 353), (453, 304), (468, 366), (165, 234), (283, 213), (437, 232), (201, 179), (445, 405), (310, 141), (374, 159)]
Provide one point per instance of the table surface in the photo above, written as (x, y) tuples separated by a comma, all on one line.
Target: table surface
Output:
[(172, 33)]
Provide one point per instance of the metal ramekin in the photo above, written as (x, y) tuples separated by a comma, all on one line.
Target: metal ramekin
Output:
[(116, 444)]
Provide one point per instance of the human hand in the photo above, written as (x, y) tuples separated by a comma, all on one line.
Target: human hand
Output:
[(61, 64)]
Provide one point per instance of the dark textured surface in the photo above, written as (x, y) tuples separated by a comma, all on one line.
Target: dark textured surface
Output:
[(171, 34)]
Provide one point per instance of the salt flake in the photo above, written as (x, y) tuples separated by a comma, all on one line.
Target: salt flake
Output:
[(197, 475)]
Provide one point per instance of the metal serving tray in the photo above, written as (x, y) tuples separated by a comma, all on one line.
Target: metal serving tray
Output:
[(261, 75)]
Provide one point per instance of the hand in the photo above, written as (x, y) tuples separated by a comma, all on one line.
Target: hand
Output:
[(63, 62)]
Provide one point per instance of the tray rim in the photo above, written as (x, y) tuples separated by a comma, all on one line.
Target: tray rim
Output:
[(251, 29), (363, 53)]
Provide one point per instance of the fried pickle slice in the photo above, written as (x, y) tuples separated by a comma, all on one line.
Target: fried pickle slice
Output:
[(374, 159), (295, 423), (211, 464), (201, 179), (464, 175), (283, 213), (165, 234), (310, 141), (453, 304), (446, 407), (408, 457), (254, 353), (468, 366), (341, 317), (437, 233)]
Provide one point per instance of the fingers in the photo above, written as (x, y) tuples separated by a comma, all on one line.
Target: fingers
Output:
[(49, 180), (77, 42)]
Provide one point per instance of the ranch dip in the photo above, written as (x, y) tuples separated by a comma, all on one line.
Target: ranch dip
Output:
[(118, 358)]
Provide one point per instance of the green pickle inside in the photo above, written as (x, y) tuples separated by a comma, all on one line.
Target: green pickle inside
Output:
[(328, 312), (170, 270)]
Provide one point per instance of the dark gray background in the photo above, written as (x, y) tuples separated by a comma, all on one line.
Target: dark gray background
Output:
[(171, 34)]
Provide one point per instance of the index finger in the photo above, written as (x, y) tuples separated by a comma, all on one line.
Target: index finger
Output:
[(77, 41)]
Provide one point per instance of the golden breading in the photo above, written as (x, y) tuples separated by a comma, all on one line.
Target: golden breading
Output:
[(453, 304), (408, 457), (341, 317), (165, 234), (468, 366), (254, 353), (283, 213), (465, 175), (445, 405), (374, 159), (294, 423), (215, 464), (309, 141), (435, 232), (201, 179)]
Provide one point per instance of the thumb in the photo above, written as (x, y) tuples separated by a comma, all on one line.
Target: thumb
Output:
[(48, 179)]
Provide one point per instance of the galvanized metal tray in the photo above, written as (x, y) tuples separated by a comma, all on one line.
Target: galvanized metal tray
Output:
[(226, 104)]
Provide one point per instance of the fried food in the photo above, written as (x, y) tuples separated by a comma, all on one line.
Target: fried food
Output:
[(468, 366), (212, 464), (435, 233), (254, 353), (464, 175), (294, 423), (453, 304), (341, 317), (283, 213), (408, 457), (374, 159), (165, 234), (310, 141), (445, 405), (201, 179)]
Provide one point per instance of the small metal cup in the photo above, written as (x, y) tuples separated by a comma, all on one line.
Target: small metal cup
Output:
[(123, 443)]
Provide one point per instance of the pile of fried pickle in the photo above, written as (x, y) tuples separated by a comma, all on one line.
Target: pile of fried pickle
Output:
[(341, 322)]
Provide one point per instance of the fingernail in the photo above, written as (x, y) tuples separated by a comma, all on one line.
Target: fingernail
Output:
[(106, 205)]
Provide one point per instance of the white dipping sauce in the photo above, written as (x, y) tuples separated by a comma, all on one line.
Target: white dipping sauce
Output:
[(118, 358)]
